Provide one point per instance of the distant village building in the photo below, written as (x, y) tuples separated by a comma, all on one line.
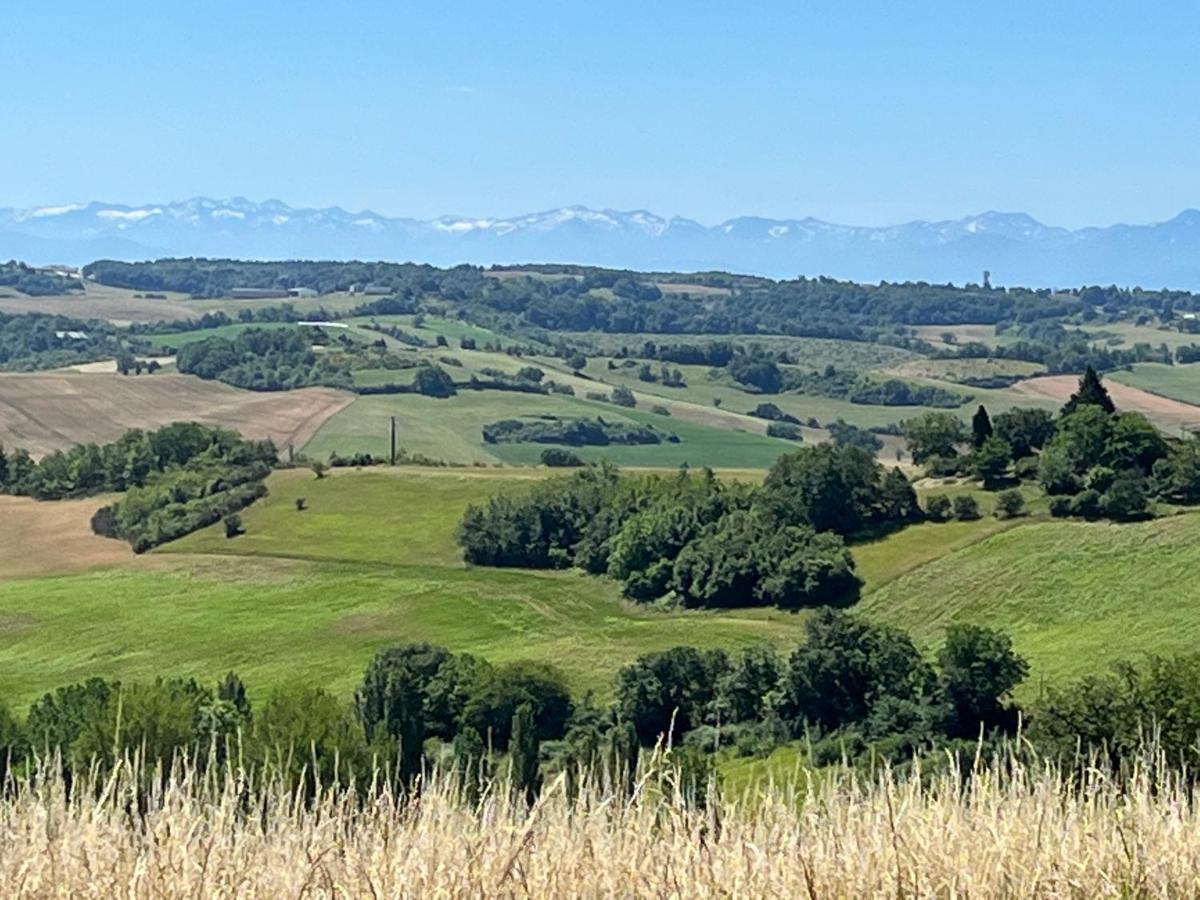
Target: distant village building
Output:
[(59, 271), (71, 335), (373, 290), (243, 293), (303, 292)]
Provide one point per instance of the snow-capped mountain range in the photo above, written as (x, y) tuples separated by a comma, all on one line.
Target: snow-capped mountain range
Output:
[(1016, 248)]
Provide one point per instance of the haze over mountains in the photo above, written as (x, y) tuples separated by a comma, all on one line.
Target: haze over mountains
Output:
[(1016, 248)]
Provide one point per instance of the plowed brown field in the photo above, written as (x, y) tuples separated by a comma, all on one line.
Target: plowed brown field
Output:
[(47, 411)]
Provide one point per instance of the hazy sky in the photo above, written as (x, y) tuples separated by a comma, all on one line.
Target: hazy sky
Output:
[(1077, 112)]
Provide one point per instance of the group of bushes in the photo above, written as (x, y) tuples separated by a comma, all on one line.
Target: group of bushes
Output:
[(574, 432), (195, 490), (843, 384), (133, 460), (699, 540)]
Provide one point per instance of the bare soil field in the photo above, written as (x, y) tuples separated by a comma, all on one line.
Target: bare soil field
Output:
[(48, 411), (116, 305), (53, 538), (1162, 411)]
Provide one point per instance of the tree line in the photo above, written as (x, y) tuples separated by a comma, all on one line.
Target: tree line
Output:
[(853, 690)]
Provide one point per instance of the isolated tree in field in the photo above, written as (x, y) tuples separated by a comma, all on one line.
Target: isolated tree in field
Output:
[(319, 468), (1091, 392), (990, 462), (934, 434), (233, 526), (981, 427), (978, 670)]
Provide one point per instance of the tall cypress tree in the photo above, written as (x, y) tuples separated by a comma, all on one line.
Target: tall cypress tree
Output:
[(523, 748), (981, 427), (1091, 392)]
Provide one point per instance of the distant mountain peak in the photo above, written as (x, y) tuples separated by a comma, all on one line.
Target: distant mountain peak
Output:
[(1014, 246)]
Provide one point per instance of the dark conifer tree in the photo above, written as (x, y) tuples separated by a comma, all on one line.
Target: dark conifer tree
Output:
[(981, 427), (1091, 392)]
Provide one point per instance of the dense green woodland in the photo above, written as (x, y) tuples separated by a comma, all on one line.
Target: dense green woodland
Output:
[(34, 341), (817, 307), (704, 541), (175, 480)]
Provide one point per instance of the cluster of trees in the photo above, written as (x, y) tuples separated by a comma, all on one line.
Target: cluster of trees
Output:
[(262, 359), (133, 460), (33, 283), (574, 432), (1102, 463), (176, 480), (32, 341), (1058, 348), (851, 685), (857, 388), (1094, 461), (696, 539), (416, 705)]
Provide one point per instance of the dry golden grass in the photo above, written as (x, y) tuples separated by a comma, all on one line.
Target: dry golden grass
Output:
[(1017, 834)]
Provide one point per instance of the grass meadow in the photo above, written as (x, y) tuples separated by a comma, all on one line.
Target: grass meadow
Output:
[(372, 561)]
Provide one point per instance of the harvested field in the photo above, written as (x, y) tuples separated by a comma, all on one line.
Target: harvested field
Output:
[(115, 305), (48, 411), (1163, 411), (53, 538)]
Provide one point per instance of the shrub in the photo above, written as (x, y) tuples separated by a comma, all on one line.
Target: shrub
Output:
[(556, 457), (1010, 504), (938, 507), (233, 526), (966, 507), (623, 396), (433, 381), (785, 430)]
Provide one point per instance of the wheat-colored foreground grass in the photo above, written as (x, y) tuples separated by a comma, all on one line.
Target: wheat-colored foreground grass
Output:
[(1000, 833)]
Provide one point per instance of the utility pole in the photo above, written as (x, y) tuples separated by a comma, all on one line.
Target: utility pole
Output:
[(393, 457)]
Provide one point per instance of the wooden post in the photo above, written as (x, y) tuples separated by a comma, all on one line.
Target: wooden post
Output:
[(393, 458)]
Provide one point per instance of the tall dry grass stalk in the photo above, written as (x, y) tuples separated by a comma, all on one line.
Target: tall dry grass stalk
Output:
[(1004, 832)]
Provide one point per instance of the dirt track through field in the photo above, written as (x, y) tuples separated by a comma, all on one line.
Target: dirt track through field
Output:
[(1165, 412), (50, 411), (43, 538)]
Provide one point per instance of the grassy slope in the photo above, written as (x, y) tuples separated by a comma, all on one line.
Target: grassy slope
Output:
[(450, 429), (1073, 595), (370, 563), (1177, 382)]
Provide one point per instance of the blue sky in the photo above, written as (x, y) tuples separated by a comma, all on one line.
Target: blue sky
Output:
[(871, 113)]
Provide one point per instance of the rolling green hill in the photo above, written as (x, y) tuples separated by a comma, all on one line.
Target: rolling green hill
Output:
[(1074, 596), (372, 561)]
